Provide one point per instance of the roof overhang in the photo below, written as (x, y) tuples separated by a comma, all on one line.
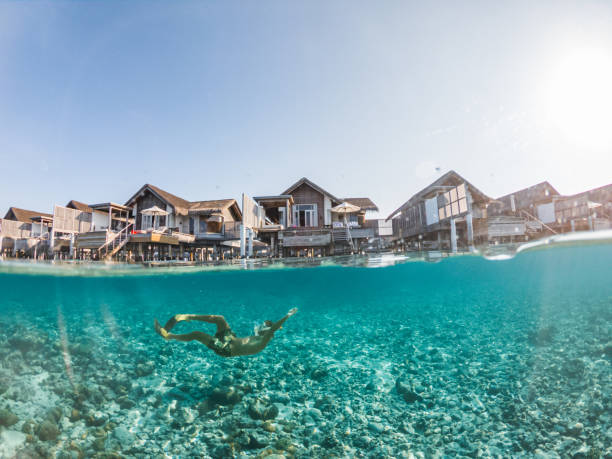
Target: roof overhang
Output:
[(274, 201), (42, 218), (110, 206)]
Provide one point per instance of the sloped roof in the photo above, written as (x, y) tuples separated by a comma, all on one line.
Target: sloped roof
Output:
[(363, 203), (23, 215), (312, 185), (79, 206), (449, 176), (530, 189), (216, 205), (598, 190), (182, 206)]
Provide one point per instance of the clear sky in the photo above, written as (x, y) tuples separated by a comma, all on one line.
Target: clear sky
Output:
[(210, 99)]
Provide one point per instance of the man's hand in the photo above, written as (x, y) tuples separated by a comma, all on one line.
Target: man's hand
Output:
[(292, 311)]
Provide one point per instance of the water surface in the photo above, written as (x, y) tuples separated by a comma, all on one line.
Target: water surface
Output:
[(465, 357)]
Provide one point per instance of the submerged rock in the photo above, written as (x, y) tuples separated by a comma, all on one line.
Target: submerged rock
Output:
[(47, 430), (26, 343), (319, 373), (406, 391), (259, 409), (145, 369), (7, 418), (543, 336), (96, 419), (225, 396), (573, 368)]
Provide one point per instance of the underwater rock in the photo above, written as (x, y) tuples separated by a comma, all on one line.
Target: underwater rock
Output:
[(405, 390), (542, 336), (257, 441), (225, 396), (54, 414), (606, 350), (262, 410), (96, 419), (145, 369), (28, 427), (7, 418), (27, 343), (75, 415), (124, 437), (319, 373), (126, 403), (47, 430), (573, 368), (575, 430), (268, 427), (223, 451)]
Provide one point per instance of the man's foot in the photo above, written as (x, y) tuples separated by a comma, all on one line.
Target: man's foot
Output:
[(161, 331)]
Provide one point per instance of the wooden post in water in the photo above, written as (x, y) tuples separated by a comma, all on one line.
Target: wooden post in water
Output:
[(453, 235), (242, 241), (470, 230), (250, 252)]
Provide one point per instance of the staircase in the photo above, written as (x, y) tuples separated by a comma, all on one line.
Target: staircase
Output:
[(342, 237), (116, 243), (534, 225)]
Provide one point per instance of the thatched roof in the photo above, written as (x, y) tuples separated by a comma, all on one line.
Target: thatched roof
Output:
[(451, 178), (23, 215), (363, 203)]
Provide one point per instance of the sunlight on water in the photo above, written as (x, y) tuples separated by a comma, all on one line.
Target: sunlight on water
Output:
[(428, 354)]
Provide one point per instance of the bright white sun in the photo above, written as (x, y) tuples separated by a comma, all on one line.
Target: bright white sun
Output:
[(580, 98)]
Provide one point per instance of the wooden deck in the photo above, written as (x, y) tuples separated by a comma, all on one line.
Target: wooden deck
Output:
[(154, 238)]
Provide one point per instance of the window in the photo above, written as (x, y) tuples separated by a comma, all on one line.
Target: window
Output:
[(147, 222), (305, 215), (453, 203), (281, 216)]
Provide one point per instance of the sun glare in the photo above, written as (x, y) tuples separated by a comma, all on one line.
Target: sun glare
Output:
[(580, 98)]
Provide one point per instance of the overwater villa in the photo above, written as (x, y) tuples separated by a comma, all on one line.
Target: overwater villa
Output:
[(587, 211), (171, 226), (447, 214), (24, 232), (306, 219), (152, 225), (544, 211)]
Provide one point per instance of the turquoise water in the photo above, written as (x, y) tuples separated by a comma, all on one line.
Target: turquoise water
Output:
[(465, 357)]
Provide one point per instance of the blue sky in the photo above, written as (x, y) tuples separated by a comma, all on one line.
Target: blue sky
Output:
[(210, 99)]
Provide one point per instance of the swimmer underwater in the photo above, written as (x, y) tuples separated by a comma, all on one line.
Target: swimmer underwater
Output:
[(224, 342)]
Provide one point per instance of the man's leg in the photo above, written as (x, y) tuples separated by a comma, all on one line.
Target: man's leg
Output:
[(219, 321), (202, 337)]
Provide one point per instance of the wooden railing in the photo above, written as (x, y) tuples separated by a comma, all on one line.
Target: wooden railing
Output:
[(539, 221), (114, 244)]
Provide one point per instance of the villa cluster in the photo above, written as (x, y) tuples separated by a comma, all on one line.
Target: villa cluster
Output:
[(304, 220)]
